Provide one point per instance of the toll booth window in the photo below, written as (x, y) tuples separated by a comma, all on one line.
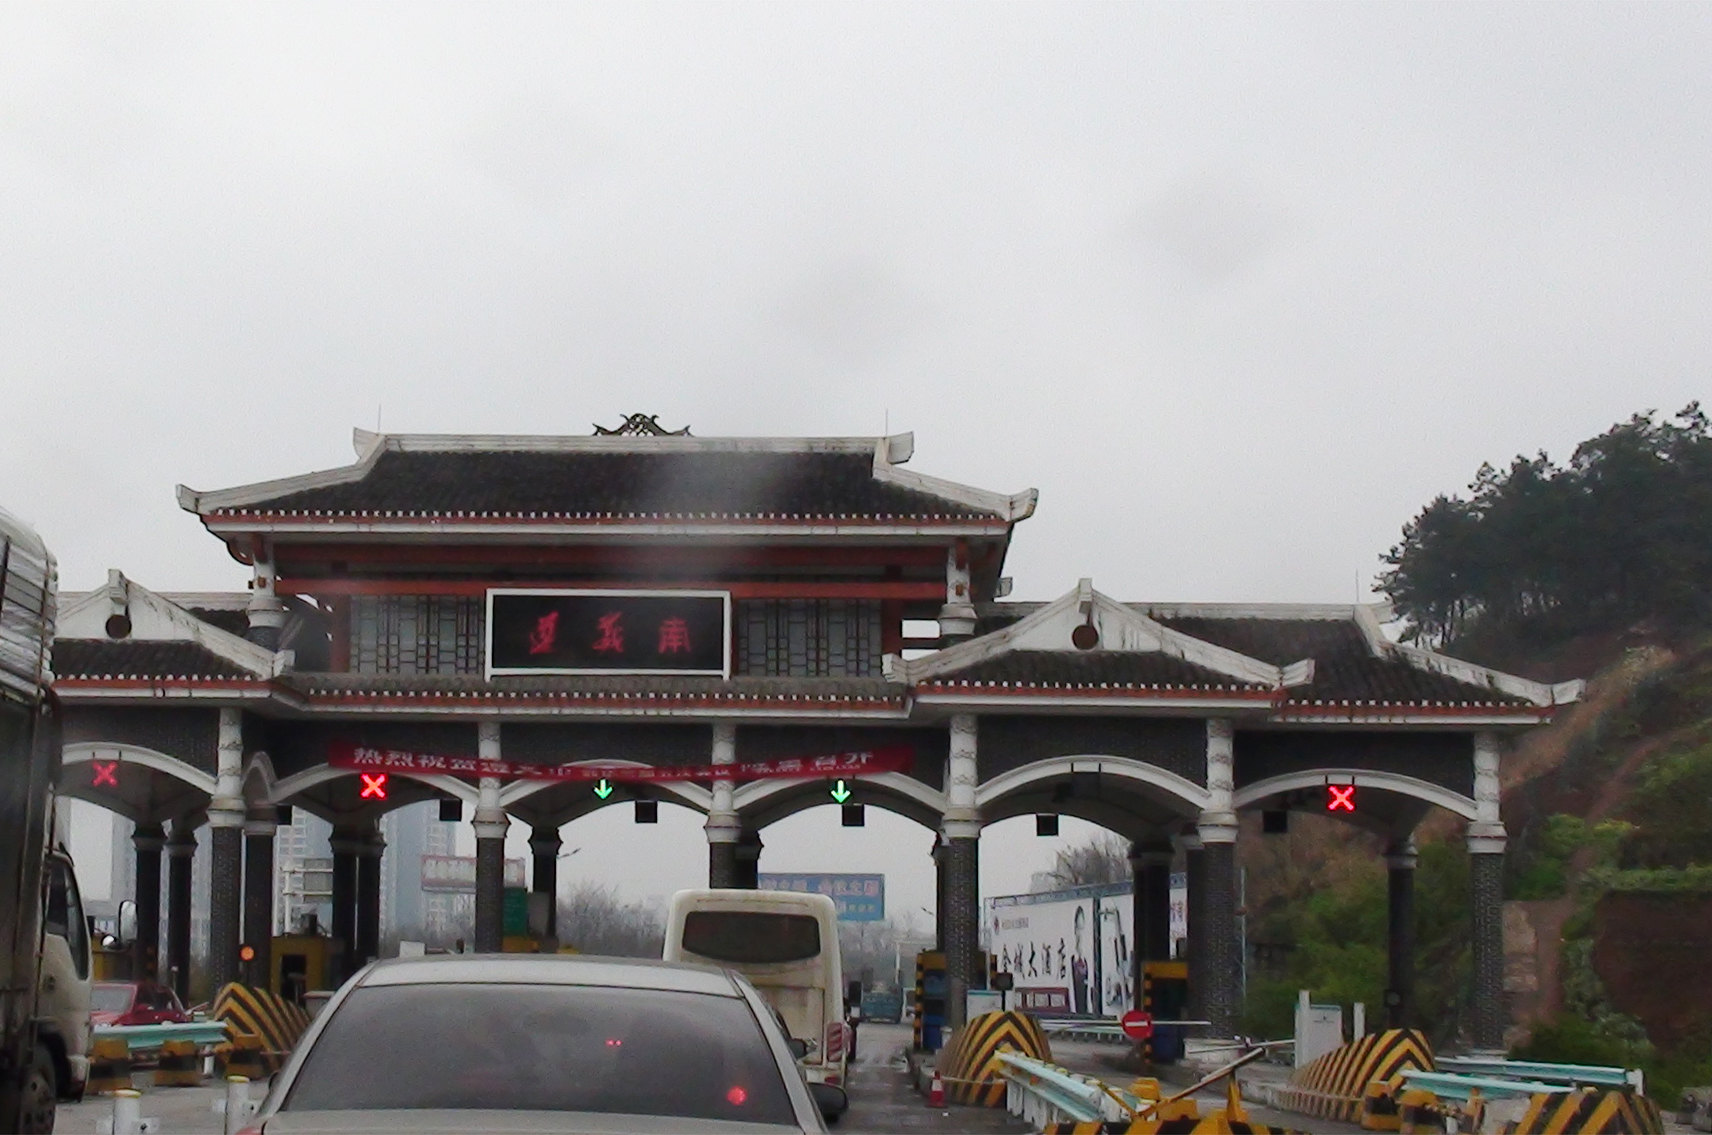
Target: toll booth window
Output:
[(562, 1048), (751, 937)]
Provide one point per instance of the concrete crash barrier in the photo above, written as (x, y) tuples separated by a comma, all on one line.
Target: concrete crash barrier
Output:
[(264, 1026), (1336, 1086), (1586, 1111), (179, 1065), (969, 1061), (109, 1066)]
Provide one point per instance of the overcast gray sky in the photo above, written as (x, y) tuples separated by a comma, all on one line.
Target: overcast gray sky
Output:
[(1238, 288)]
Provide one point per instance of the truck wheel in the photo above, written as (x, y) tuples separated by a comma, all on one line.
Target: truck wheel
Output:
[(41, 1090)]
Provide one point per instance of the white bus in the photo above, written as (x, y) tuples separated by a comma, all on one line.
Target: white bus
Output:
[(786, 944)]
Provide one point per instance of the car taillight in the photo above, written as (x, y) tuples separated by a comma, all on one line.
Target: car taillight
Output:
[(834, 1046)]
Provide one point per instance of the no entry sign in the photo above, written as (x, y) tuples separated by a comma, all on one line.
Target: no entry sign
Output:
[(1136, 1024), (860, 762)]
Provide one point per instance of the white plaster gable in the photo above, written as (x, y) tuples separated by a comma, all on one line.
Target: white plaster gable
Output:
[(1121, 628), (1368, 618), (155, 618)]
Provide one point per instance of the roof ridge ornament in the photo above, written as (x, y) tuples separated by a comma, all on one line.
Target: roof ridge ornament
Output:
[(640, 425)]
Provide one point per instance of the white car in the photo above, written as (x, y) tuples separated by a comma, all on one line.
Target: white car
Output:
[(544, 1043)]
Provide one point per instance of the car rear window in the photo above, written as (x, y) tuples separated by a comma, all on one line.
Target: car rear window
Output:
[(753, 937), (543, 1048), (110, 998)]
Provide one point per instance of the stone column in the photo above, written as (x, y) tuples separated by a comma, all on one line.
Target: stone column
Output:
[(747, 854), (347, 846), (180, 853), (1400, 918), (957, 617), (1150, 889), (1486, 843), (1222, 971), (368, 896), (266, 612), (544, 845), (148, 839), (961, 828), (724, 828), (490, 825), (259, 829), (226, 826)]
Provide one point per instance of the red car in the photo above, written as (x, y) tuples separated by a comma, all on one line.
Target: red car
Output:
[(135, 1003)]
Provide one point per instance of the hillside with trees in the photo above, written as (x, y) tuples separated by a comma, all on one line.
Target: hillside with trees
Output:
[(1598, 568)]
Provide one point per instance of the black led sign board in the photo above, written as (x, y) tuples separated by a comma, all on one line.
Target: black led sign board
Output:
[(539, 631)]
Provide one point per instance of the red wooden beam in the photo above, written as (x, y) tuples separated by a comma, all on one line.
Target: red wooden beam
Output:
[(804, 589), (294, 557)]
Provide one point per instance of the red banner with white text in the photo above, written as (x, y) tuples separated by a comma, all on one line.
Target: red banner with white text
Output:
[(860, 762)]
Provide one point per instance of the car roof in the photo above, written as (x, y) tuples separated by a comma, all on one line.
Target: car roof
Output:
[(551, 969)]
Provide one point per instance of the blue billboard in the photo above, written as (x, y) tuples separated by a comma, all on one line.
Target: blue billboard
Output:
[(859, 898)]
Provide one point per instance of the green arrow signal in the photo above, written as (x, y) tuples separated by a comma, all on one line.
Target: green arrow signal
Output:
[(841, 793), (603, 789)]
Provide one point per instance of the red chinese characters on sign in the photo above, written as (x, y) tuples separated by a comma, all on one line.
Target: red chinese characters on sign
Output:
[(888, 758), (674, 636), (611, 637), (546, 632)]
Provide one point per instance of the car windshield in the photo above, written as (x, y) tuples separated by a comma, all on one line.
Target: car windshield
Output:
[(543, 1048), (110, 998)]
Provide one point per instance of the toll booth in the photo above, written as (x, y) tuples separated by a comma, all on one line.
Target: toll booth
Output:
[(1165, 997), (930, 996), (302, 962)]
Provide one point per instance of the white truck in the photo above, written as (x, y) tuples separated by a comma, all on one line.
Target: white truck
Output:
[(45, 976)]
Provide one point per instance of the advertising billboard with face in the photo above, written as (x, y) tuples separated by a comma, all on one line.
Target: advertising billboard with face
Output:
[(1071, 952)]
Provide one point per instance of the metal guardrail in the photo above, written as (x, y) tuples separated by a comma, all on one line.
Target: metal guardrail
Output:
[(1042, 1093), (143, 1038), (1601, 1075), (1450, 1086)]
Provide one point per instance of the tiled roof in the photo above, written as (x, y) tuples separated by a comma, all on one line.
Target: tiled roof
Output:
[(125, 658), (587, 485), (227, 619), (1092, 669), (1345, 670)]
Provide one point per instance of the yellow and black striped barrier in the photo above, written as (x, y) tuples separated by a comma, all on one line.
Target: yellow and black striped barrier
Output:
[(1589, 1110), (264, 1026), (1335, 1086), (179, 1065), (969, 1061), (109, 1065)]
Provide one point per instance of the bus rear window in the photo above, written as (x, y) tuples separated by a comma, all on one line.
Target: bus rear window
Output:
[(751, 936)]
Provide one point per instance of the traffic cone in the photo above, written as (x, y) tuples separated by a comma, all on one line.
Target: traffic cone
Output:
[(936, 1091)]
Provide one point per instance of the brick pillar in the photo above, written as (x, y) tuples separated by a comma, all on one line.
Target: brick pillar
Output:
[(347, 846), (1150, 890), (368, 897), (1400, 919), (746, 854), (544, 845), (180, 853), (961, 828), (724, 828), (1195, 878), (258, 894), (490, 826), (1486, 841), (940, 902), (1222, 972), (148, 840)]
